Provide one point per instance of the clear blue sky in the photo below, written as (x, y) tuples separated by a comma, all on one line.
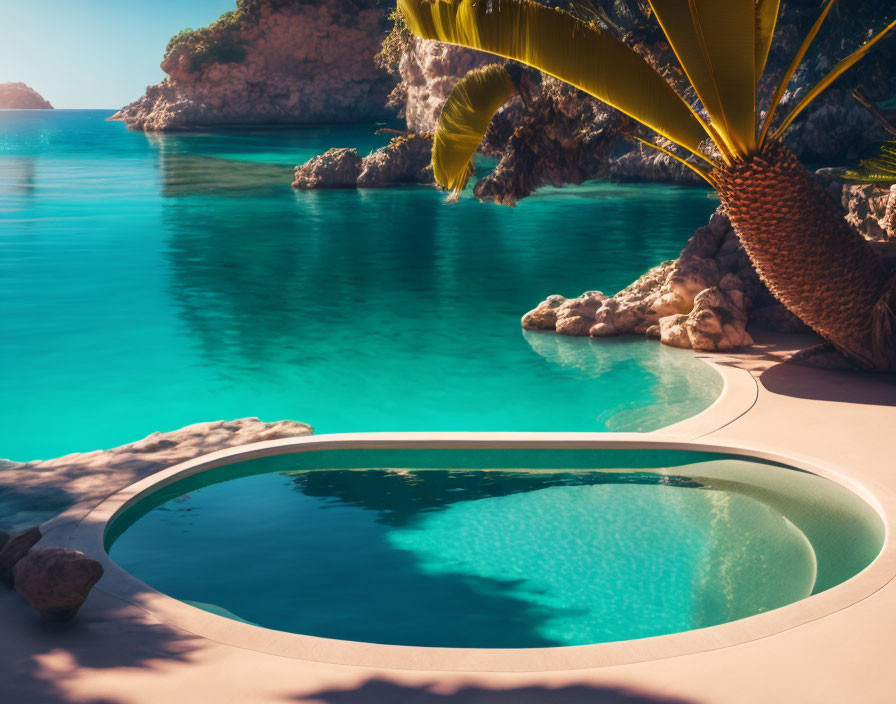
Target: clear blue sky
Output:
[(93, 53)]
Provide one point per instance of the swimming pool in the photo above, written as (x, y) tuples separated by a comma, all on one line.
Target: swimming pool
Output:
[(496, 548)]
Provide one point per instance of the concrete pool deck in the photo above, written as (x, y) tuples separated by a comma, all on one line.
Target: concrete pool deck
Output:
[(833, 647)]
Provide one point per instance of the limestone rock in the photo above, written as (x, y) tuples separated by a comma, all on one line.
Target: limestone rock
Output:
[(18, 96), (56, 581), (14, 549), (712, 260), (405, 159), (718, 321), (576, 316), (335, 168), (272, 61), (705, 299), (428, 72), (672, 331), (544, 316), (603, 330)]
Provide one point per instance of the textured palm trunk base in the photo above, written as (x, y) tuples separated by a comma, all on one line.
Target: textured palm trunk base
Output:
[(810, 258)]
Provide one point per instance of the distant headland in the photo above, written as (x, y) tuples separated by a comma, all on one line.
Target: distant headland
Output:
[(269, 62), (21, 97)]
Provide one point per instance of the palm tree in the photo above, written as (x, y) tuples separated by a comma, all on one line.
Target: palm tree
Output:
[(811, 259)]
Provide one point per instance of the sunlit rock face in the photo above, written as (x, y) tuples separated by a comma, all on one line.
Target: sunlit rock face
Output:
[(429, 70), (272, 62), (18, 96), (702, 301)]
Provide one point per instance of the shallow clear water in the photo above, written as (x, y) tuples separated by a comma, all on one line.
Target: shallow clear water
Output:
[(148, 282), (464, 549)]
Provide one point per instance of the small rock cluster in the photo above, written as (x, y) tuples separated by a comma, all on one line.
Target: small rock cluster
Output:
[(406, 159), (335, 168), (702, 301), (54, 581)]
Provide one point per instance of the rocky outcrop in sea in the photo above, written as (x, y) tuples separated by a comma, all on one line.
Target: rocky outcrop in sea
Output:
[(18, 96), (706, 298), (272, 62), (406, 159)]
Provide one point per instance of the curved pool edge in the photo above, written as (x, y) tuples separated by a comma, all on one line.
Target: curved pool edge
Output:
[(88, 536), (739, 394)]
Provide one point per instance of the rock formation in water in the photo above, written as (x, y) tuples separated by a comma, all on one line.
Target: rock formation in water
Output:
[(406, 159), (335, 168), (18, 96), (31, 492), (705, 299), (272, 62)]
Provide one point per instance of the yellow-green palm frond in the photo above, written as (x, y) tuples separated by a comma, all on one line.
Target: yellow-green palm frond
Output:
[(558, 44), (880, 170), (766, 20), (465, 118), (791, 69), (835, 73), (715, 42)]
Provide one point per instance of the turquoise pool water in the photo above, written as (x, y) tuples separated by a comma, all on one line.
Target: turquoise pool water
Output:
[(463, 548), (148, 282)]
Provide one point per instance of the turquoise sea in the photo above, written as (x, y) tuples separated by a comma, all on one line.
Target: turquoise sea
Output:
[(148, 282)]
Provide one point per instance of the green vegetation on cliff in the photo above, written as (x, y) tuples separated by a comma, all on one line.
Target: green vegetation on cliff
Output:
[(219, 42)]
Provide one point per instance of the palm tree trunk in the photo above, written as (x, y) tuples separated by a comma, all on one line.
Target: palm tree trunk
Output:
[(810, 258)]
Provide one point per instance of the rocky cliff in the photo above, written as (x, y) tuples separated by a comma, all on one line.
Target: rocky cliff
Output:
[(272, 62), (18, 96)]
